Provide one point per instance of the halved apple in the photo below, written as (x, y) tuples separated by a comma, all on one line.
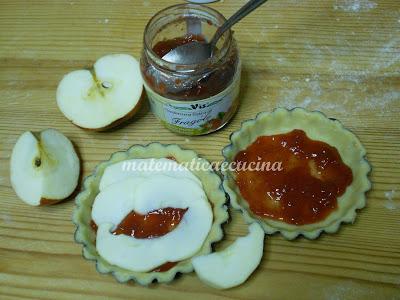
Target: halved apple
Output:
[(233, 265), (44, 167), (104, 96)]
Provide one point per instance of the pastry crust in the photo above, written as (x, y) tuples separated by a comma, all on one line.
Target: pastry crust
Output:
[(317, 127), (82, 214)]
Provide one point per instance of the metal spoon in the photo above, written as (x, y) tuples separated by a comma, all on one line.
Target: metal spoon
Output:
[(195, 52)]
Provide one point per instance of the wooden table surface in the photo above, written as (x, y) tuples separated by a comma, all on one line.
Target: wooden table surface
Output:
[(341, 57)]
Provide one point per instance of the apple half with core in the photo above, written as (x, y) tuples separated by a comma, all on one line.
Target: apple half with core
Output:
[(102, 97), (44, 167), (233, 265)]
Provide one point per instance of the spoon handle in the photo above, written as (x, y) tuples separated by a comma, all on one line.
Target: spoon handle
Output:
[(240, 14)]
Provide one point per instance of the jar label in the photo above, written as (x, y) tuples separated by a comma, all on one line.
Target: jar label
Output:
[(199, 116)]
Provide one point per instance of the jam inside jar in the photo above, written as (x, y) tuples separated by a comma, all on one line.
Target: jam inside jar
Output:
[(190, 99)]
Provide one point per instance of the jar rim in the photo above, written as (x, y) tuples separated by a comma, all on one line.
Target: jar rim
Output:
[(187, 67)]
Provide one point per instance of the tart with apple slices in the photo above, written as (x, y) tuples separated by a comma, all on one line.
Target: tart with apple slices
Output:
[(44, 167), (104, 96), (309, 173), (144, 224)]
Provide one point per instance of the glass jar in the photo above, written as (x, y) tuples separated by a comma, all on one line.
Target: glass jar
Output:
[(190, 99)]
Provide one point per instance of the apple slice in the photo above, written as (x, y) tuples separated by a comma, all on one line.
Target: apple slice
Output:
[(103, 97), (44, 168), (233, 265)]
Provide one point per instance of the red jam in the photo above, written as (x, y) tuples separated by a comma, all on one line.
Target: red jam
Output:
[(207, 86), (93, 225), (165, 46), (154, 224), (165, 267), (305, 190)]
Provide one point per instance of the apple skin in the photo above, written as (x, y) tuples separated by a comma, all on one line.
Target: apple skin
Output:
[(47, 202)]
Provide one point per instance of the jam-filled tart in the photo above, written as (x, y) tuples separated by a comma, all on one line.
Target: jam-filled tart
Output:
[(146, 223), (296, 172)]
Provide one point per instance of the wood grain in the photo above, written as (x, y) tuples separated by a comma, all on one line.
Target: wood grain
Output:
[(327, 55)]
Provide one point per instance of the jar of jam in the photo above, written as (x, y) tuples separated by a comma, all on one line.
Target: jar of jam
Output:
[(190, 99)]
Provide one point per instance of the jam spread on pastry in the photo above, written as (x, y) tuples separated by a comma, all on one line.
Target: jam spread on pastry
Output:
[(165, 267), (305, 174), (93, 225), (153, 224), (305, 190)]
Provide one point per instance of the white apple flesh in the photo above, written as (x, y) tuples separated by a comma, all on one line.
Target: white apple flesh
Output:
[(103, 97), (233, 265), (44, 169)]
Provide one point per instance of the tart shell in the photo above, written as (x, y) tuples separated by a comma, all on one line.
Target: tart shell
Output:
[(317, 127), (85, 235)]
